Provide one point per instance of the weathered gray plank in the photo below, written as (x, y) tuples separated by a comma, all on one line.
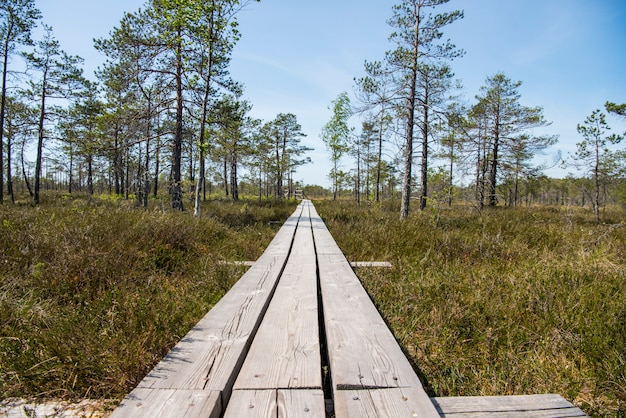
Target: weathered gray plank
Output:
[(363, 352), (276, 403), (354, 264), (211, 354), (301, 404), (506, 406), (251, 404), (398, 402), (385, 264), (285, 352), (170, 403)]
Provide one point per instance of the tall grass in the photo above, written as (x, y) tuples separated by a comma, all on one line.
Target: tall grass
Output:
[(94, 293), (500, 302)]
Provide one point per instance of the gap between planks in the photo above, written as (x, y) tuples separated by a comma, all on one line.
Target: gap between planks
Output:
[(354, 264)]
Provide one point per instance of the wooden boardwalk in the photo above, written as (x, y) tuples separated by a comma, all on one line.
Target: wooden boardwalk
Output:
[(298, 336)]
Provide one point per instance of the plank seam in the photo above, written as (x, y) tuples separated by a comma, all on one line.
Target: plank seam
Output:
[(344, 386), (224, 393), (324, 356)]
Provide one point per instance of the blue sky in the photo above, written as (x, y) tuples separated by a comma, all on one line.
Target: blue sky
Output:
[(297, 56)]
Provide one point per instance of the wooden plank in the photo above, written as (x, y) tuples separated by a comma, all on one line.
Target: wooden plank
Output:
[(169, 403), (362, 350), (363, 353), (211, 354), (301, 404), (285, 352), (549, 405), (353, 264), (239, 263), (398, 402), (251, 404), (276, 403), (356, 264)]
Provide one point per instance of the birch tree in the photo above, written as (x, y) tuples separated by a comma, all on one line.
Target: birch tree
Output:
[(335, 134)]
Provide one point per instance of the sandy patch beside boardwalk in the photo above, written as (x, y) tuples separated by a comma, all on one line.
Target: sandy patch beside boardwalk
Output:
[(20, 408)]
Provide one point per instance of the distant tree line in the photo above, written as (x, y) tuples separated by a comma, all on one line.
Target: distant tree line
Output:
[(486, 151), (163, 112)]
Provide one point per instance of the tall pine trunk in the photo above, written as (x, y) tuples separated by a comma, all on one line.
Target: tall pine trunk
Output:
[(176, 186), (410, 123), (234, 187), (9, 174), (493, 173), (424, 173), (380, 154), (201, 185), (90, 174), (3, 102), (40, 138), (596, 177)]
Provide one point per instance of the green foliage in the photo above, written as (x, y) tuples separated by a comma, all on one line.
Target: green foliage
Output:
[(93, 294), (335, 135), (499, 302), (618, 109), (594, 155), (418, 37), (507, 124), (282, 138), (17, 18)]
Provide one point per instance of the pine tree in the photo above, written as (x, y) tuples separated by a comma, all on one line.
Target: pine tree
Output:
[(60, 78), (18, 18), (418, 36), (593, 151)]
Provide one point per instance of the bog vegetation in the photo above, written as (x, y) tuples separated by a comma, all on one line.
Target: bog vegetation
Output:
[(504, 301), (94, 292), (485, 299)]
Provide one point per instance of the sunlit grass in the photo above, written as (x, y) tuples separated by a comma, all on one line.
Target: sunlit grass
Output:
[(93, 292), (531, 300)]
